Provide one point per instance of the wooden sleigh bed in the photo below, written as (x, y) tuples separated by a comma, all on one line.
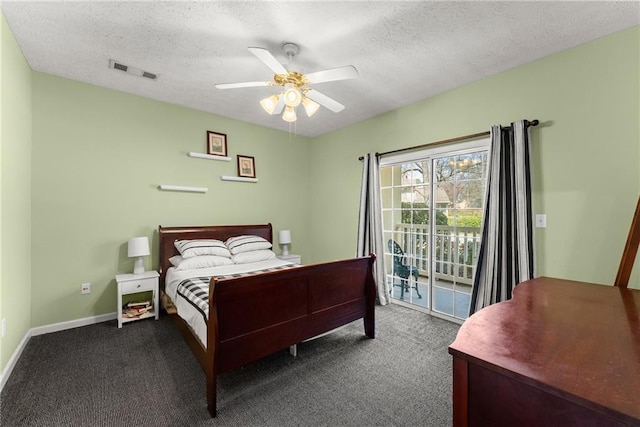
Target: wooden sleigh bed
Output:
[(253, 316)]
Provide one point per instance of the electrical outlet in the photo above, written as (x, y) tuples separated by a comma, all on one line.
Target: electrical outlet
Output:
[(541, 221), (4, 326), (85, 288)]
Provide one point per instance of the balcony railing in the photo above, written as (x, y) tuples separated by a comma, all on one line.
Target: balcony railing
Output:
[(455, 250)]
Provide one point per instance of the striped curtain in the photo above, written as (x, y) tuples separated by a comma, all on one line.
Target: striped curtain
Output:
[(370, 223), (506, 255)]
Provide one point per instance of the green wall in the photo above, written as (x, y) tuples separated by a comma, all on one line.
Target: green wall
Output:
[(15, 193), (586, 153), (98, 158)]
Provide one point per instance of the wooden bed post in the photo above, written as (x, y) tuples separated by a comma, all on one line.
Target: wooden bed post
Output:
[(212, 393), (212, 339), (370, 292)]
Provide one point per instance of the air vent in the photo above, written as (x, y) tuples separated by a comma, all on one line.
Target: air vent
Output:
[(132, 70), (118, 66)]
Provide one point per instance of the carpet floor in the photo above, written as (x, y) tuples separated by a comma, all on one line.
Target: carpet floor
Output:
[(144, 374)]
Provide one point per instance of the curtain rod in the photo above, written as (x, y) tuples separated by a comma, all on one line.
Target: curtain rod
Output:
[(534, 122)]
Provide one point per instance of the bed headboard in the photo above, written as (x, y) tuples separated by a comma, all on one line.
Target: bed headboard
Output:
[(168, 235)]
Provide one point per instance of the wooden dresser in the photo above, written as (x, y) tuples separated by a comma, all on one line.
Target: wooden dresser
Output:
[(560, 353)]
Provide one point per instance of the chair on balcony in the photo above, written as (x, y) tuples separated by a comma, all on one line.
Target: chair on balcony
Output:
[(403, 271)]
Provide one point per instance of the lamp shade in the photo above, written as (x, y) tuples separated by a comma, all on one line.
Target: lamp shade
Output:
[(289, 114), (310, 107), (292, 97), (269, 104), (138, 246), (284, 237)]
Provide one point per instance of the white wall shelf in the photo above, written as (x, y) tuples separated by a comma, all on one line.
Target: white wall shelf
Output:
[(208, 156), (183, 188), (238, 178)]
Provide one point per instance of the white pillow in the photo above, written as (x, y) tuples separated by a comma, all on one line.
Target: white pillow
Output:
[(191, 248), (246, 243), (253, 256), (176, 260), (202, 261)]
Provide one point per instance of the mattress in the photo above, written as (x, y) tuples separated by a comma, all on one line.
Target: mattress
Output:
[(186, 310)]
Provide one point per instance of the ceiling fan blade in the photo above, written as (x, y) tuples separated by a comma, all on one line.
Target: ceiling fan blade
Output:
[(341, 73), (279, 106), (268, 59), (241, 85), (324, 100)]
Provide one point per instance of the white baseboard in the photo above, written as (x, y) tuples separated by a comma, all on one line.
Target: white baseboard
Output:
[(4, 376), (47, 329), (85, 321)]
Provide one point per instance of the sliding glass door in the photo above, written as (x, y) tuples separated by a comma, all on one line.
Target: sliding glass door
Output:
[(432, 207)]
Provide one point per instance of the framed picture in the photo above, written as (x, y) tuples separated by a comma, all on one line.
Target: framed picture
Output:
[(216, 143), (246, 166)]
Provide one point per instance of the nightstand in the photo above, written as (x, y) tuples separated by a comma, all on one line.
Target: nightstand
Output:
[(293, 258), (132, 284)]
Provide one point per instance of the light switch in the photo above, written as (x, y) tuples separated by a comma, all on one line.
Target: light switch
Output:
[(541, 221)]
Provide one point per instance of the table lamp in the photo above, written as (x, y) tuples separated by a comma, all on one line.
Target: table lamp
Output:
[(284, 238), (138, 247)]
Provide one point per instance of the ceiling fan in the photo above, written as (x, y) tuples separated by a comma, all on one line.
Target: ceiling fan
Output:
[(296, 86)]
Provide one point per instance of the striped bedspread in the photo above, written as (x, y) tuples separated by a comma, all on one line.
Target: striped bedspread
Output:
[(195, 290)]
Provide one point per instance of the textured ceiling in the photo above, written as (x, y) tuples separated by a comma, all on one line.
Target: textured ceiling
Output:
[(404, 51)]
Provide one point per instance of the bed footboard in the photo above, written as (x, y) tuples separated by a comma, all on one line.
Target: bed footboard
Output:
[(254, 316)]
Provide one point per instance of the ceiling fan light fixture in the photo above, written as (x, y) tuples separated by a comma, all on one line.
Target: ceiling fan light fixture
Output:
[(292, 97), (289, 114), (269, 104), (310, 107), (295, 85)]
